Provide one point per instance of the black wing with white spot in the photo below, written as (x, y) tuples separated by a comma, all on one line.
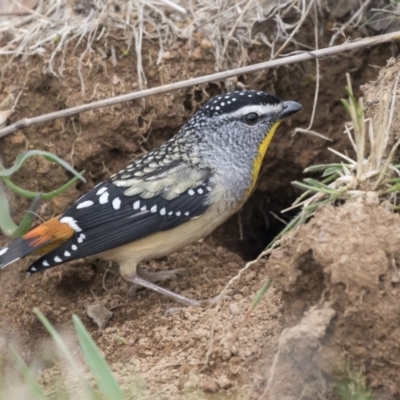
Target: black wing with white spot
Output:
[(106, 218)]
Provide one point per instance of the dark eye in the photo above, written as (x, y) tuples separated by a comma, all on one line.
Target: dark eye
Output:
[(251, 119)]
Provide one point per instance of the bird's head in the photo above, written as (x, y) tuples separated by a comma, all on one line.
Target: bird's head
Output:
[(240, 125)]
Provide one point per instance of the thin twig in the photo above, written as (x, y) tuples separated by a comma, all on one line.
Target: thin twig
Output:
[(316, 92), (359, 14), (357, 44), (295, 30), (381, 10)]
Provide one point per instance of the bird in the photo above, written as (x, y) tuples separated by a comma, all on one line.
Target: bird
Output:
[(167, 198)]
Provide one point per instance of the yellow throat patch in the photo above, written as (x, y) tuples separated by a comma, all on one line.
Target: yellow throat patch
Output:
[(261, 153)]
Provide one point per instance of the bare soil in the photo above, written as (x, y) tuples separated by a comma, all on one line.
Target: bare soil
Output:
[(202, 353)]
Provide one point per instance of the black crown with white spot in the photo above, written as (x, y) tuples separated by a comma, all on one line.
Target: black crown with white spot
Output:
[(232, 101)]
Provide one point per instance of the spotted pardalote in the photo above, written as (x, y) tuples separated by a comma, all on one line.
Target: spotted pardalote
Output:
[(167, 198)]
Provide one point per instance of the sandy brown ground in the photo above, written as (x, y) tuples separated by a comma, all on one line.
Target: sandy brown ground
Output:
[(192, 353)]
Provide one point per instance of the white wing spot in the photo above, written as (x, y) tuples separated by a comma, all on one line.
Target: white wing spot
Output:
[(116, 203), (104, 198), (163, 211), (81, 237), (33, 269), (154, 208), (234, 99), (74, 247), (71, 222), (101, 191), (3, 251), (208, 189), (45, 264), (250, 95), (57, 259), (217, 107), (67, 254), (178, 213), (191, 192), (222, 104), (85, 204), (229, 102), (241, 94), (136, 205), (144, 208), (170, 213), (187, 213), (200, 191)]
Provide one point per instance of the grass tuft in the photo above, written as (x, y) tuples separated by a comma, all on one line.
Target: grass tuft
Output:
[(367, 171)]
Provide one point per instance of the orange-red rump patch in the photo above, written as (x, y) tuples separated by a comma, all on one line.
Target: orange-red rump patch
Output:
[(51, 233)]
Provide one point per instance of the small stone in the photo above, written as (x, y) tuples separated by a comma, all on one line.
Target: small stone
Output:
[(206, 44), (197, 53), (192, 382), (237, 296), (234, 309), (226, 354), (167, 55), (224, 382), (115, 80), (99, 314), (371, 199), (247, 353), (209, 385)]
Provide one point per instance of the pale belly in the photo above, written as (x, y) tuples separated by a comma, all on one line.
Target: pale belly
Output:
[(166, 242)]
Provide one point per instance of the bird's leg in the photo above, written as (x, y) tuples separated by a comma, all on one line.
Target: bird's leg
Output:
[(136, 279), (159, 276)]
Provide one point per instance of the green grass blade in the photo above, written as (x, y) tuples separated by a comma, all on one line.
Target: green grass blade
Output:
[(322, 167), (27, 220), (66, 353), (45, 196), (315, 188), (346, 105), (332, 171), (295, 221), (260, 294), (61, 345), (33, 388), (7, 225), (106, 382), (21, 158)]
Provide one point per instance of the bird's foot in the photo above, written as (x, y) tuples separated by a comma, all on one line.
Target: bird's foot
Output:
[(159, 276), (152, 277), (139, 281)]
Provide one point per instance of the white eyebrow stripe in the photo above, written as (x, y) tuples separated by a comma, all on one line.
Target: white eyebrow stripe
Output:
[(260, 109)]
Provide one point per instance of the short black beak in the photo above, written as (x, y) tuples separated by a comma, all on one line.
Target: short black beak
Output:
[(290, 108)]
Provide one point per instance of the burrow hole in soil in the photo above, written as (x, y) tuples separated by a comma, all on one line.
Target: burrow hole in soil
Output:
[(260, 220)]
